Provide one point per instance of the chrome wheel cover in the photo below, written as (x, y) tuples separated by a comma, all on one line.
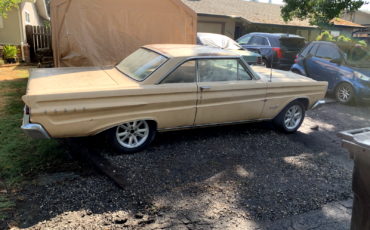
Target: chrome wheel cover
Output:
[(132, 134), (293, 117), (344, 93)]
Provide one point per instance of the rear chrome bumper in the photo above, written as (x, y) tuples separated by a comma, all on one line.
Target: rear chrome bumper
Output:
[(34, 131), (318, 104)]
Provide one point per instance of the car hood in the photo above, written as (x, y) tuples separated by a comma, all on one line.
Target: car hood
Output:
[(247, 55), (365, 71), (279, 75)]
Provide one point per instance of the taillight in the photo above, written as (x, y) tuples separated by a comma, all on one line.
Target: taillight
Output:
[(296, 57), (259, 60), (279, 52), (27, 110)]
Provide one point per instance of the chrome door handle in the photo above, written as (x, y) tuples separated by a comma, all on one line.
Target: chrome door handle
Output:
[(205, 87)]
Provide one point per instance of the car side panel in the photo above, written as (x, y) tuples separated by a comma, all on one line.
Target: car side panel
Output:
[(73, 115), (279, 94), (230, 101)]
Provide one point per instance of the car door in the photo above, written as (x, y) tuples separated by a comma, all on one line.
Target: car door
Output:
[(228, 92), (309, 63), (325, 70), (180, 105)]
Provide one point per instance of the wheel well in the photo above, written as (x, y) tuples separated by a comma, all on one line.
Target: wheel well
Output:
[(304, 101), (154, 122), (296, 70)]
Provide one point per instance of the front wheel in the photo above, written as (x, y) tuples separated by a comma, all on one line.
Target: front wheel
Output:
[(290, 118), (131, 136), (344, 93)]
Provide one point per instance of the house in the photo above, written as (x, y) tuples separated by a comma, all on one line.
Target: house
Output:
[(13, 28), (235, 18), (362, 18)]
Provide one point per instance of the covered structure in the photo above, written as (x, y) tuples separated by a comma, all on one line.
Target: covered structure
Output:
[(100, 33)]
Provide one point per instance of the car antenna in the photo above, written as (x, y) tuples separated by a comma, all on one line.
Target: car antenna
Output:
[(272, 61)]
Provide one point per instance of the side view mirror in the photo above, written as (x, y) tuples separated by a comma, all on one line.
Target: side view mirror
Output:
[(336, 61)]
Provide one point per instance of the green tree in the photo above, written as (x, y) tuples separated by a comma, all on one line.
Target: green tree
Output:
[(6, 5), (319, 12)]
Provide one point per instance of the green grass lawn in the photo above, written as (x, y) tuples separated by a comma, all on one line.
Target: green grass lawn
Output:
[(21, 158)]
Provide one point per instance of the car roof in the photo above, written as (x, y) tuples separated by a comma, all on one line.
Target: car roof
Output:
[(278, 35), (184, 50)]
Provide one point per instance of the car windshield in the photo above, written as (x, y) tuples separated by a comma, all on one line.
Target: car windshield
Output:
[(141, 64), (355, 55)]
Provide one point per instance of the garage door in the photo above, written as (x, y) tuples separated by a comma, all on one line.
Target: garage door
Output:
[(209, 27)]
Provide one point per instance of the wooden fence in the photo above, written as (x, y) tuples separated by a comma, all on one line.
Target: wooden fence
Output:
[(38, 37)]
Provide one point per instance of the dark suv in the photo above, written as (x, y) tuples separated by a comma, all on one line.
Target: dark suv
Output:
[(279, 49)]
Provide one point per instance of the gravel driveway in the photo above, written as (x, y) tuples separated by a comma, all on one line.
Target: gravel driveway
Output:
[(231, 177)]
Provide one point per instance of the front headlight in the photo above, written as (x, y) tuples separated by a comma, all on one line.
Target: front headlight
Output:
[(361, 76)]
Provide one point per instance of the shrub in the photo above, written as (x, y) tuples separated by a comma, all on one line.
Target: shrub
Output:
[(10, 51), (363, 43), (325, 37), (342, 38)]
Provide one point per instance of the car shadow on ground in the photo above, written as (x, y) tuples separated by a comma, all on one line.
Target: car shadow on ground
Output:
[(223, 177)]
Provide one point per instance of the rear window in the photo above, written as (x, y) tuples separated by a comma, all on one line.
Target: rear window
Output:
[(298, 43), (140, 64)]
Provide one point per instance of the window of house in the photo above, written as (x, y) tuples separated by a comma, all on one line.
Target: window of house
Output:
[(333, 33), (27, 17), (183, 74)]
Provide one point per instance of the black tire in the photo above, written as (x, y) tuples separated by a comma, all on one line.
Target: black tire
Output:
[(265, 63), (296, 72), (339, 93), (279, 121), (112, 138)]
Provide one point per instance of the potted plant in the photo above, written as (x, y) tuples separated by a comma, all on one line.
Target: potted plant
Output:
[(10, 53)]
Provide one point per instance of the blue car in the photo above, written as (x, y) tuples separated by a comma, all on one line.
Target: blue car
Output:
[(345, 66)]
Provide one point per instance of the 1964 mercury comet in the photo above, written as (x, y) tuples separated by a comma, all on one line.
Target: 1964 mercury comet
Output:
[(162, 88)]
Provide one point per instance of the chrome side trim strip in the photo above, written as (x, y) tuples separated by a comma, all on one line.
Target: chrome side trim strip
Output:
[(211, 125)]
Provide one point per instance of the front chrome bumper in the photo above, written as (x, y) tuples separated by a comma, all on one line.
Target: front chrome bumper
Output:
[(318, 104), (34, 131)]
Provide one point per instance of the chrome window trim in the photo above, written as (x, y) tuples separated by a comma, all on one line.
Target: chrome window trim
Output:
[(208, 57), (151, 72)]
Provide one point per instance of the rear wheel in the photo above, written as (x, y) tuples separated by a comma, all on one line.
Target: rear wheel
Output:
[(344, 93), (290, 118), (132, 136)]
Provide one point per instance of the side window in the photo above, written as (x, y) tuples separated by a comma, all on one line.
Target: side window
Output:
[(305, 51), (313, 50), (185, 73), (218, 70), (259, 41), (244, 40), (243, 75), (327, 52)]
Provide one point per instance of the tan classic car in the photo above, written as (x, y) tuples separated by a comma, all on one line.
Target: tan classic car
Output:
[(162, 88)]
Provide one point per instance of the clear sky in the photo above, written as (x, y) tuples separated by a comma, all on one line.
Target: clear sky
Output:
[(365, 7)]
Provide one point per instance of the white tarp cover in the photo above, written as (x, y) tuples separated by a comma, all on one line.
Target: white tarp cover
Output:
[(218, 41), (100, 33)]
